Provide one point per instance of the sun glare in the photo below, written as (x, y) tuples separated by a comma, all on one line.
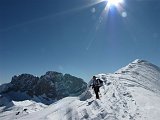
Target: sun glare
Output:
[(113, 2)]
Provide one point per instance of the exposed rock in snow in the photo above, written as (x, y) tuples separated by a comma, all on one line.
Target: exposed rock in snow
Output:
[(14, 109)]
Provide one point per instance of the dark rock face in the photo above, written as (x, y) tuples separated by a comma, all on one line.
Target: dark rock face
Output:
[(52, 85), (73, 84), (61, 85), (24, 82)]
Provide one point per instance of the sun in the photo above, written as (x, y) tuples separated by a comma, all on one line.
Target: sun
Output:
[(114, 2)]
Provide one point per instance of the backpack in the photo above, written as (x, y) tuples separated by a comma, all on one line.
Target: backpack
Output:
[(101, 82), (98, 82)]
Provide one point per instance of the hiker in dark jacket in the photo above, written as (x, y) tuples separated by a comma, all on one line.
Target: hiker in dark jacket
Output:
[(96, 84)]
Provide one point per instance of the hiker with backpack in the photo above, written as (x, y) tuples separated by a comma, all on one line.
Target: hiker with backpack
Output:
[(96, 84)]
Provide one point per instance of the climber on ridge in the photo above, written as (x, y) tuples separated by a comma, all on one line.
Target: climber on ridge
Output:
[(96, 84)]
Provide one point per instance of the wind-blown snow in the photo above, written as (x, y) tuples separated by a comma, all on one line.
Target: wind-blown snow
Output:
[(131, 93)]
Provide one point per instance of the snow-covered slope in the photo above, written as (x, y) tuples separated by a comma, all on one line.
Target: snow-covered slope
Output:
[(141, 73), (131, 93), (14, 110)]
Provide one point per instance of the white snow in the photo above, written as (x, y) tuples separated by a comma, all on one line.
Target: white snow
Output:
[(131, 93), (15, 109), (149, 103)]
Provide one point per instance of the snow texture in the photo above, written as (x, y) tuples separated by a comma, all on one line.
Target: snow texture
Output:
[(131, 93)]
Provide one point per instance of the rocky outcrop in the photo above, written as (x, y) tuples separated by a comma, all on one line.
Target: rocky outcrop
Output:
[(52, 85)]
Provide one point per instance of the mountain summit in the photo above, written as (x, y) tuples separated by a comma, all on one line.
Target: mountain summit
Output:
[(131, 93)]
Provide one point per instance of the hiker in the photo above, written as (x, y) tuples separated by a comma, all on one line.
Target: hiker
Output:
[(96, 84)]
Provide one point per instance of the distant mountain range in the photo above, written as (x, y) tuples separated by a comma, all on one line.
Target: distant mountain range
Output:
[(46, 89)]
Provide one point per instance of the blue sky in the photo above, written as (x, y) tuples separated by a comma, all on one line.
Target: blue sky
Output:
[(76, 36)]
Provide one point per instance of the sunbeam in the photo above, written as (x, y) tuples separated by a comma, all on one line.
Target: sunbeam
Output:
[(52, 15)]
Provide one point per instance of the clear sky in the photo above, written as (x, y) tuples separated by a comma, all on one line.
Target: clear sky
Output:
[(79, 37)]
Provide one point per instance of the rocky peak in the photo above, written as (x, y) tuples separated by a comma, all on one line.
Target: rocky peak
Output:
[(24, 82), (53, 85), (139, 61), (52, 75)]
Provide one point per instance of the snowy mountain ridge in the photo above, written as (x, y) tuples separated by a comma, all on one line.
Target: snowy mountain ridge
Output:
[(131, 93), (140, 69)]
